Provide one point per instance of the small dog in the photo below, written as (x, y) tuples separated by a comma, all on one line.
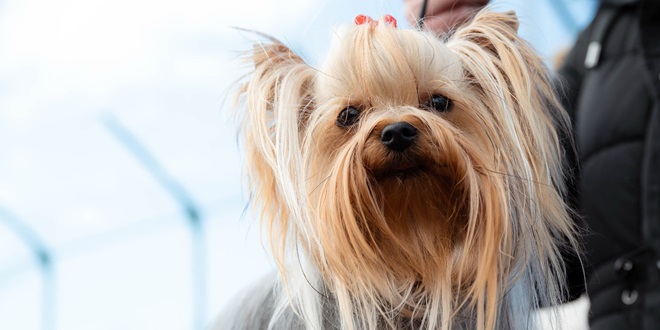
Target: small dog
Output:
[(410, 182)]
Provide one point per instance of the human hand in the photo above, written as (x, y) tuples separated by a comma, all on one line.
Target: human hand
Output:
[(443, 15)]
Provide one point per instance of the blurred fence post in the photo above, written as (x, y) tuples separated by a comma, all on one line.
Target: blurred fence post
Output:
[(43, 256), (188, 206)]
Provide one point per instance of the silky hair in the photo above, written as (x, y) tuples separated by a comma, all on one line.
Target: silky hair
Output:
[(471, 239)]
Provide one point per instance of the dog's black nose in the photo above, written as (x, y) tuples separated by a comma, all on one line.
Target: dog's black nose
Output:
[(398, 136)]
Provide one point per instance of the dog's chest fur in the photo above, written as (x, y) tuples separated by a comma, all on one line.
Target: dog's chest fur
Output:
[(254, 308)]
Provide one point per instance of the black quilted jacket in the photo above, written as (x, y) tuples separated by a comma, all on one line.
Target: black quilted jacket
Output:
[(612, 95)]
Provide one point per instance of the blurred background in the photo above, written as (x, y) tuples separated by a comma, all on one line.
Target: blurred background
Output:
[(121, 198)]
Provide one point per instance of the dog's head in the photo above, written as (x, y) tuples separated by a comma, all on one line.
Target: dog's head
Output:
[(417, 176)]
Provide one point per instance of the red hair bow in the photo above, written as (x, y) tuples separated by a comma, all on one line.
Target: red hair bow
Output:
[(364, 19)]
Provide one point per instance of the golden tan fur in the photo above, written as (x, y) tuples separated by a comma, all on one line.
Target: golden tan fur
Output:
[(431, 237)]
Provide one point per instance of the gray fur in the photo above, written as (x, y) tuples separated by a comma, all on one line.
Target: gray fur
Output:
[(254, 308)]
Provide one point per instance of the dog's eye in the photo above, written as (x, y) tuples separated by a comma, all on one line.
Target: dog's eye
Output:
[(439, 103), (348, 117)]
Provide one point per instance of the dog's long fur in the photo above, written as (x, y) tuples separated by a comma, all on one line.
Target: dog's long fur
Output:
[(462, 230)]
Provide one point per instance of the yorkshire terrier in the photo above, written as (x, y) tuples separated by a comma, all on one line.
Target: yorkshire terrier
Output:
[(409, 182)]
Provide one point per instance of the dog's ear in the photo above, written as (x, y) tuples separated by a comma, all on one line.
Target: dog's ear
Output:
[(490, 31), (279, 87), (273, 53), (503, 67), (273, 103), (281, 79), (504, 21)]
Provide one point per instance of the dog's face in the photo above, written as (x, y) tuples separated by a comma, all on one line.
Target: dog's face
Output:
[(410, 171), (397, 141)]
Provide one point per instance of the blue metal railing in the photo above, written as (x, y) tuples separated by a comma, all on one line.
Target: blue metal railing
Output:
[(189, 207), (43, 256)]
